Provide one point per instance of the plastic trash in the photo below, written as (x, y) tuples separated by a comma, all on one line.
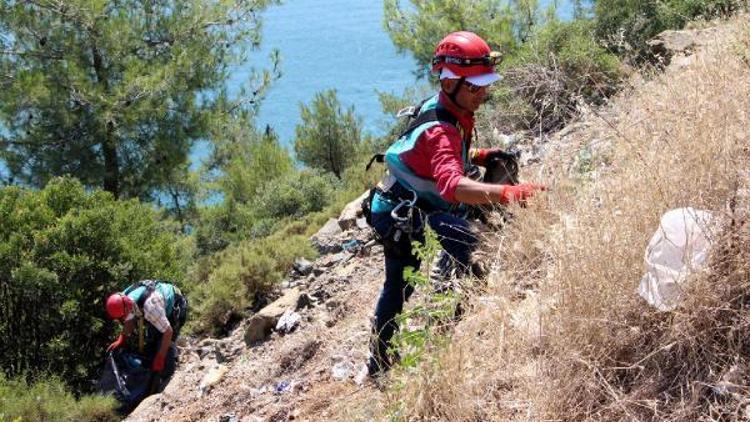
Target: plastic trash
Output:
[(678, 248), (288, 322), (352, 246), (282, 387)]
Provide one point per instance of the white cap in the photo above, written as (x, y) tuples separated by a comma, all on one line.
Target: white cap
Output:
[(479, 80)]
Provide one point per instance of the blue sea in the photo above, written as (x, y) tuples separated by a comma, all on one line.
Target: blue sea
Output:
[(339, 44), (328, 44)]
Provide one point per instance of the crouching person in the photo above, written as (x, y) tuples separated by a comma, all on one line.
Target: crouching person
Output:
[(155, 310)]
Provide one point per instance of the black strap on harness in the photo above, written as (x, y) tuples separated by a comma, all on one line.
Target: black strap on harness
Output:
[(150, 286), (436, 114)]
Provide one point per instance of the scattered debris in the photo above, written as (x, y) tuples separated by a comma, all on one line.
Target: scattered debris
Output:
[(229, 417), (260, 325), (283, 387), (303, 266), (288, 322), (352, 246), (678, 248)]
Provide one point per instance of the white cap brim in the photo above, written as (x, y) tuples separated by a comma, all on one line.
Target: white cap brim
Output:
[(479, 80)]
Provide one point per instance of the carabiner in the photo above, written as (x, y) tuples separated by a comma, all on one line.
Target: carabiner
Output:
[(404, 202)]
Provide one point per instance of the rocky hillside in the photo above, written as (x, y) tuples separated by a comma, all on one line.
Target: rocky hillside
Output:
[(300, 357)]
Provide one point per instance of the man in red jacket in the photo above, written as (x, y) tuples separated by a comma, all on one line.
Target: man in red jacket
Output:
[(428, 181)]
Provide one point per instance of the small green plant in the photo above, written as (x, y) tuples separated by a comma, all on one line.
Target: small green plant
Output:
[(584, 163), (413, 343), (49, 400)]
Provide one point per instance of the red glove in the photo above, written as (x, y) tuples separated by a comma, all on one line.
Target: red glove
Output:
[(482, 156), (519, 193), (158, 364), (117, 343)]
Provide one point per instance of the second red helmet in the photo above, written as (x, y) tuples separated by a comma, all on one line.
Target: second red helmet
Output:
[(119, 305)]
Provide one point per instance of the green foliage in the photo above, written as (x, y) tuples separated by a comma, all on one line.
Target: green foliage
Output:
[(328, 138), (113, 93), (62, 250), (419, 27), (48, 401), (230, 281), (559, 68), (413, 344), (391, 104), (242, 163), (626, 25), (295, 195)]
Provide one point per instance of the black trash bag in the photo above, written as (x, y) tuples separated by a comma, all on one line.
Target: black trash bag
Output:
[(127, 377)]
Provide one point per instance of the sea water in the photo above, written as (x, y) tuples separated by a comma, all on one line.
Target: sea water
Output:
[(328, 44)]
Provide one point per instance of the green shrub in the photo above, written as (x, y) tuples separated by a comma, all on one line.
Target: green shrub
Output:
[(626, 25), (49, 400), (559, 68), (295, 194), (242, 163), (62, 251), (232, 280)]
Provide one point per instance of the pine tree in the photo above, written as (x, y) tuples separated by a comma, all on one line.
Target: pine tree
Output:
[(116, 93), (328, 138), (420, 26)]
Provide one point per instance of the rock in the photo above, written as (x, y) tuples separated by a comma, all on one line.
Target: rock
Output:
[(362, 375), (145, 409), (229, 417), (206, 342), (325, 239), (288, 322), (212, 378), (329, 229), (303, 266), (332, 260), (304, 301), (670, 43), (348, 217), (362, 224), (342, 371), (260, 325)]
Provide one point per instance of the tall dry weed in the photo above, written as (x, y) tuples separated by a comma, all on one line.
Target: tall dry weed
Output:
[(560, 332)]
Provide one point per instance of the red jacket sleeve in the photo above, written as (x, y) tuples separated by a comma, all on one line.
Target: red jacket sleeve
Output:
[(446, 165)]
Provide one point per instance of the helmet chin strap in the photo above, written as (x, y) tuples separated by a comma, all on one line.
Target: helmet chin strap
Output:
[(454, 93)]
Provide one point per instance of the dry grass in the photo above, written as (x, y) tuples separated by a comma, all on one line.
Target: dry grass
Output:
[(560, 333)]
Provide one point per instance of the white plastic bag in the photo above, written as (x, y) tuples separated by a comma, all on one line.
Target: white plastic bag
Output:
[(679, 247)]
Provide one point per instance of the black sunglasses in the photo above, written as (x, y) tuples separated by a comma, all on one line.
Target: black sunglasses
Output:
[(472, 88)]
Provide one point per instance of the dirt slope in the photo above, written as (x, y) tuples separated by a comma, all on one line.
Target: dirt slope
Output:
[(309, 374), (285, 376)]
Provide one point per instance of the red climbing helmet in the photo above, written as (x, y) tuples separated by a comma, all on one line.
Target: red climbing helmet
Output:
[(464, 54), (119, 305)]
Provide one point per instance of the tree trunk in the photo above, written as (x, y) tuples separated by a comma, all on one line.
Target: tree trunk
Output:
[(111, 166), (109, 143)]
